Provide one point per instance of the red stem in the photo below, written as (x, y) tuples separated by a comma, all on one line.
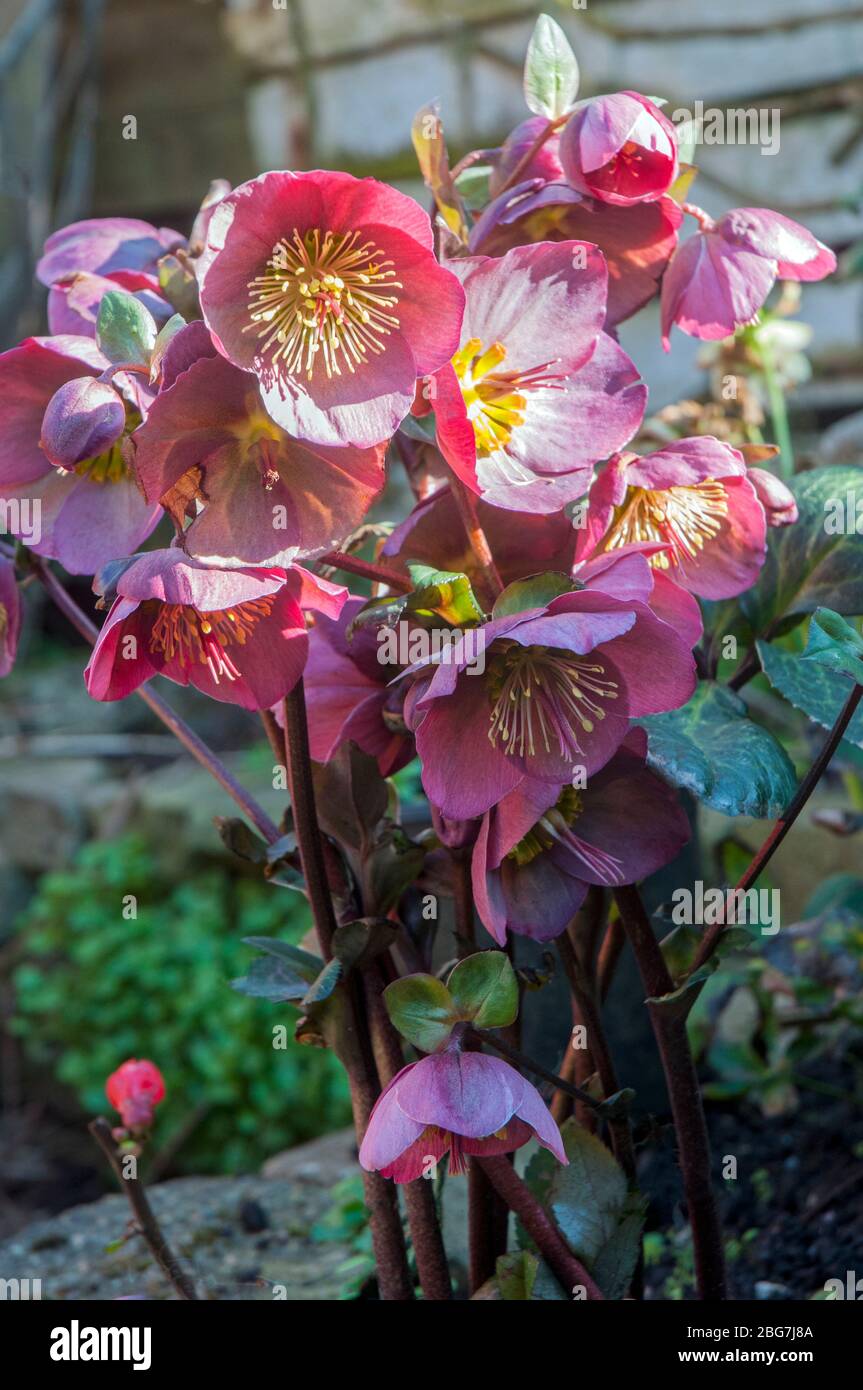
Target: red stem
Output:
[(143, 1214), (539, 1226), (379, 574), (684, 1094), (466, 502), (713, 935)]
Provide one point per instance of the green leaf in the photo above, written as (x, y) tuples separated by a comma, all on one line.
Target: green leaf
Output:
[(588, 1197), (323, 986), (430, 147), (166, 333), (446, 593), (240, 840), (306, 965), (358, 942), (485, 989), (125, 329), (515, 1273), (271, 978), (550, 70), (615, 1263), (816, 690), (814, 563), (422, 1009), (713, 749), (534, 592), (835, 643)]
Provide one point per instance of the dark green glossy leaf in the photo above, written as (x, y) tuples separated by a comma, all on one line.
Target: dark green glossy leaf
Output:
[(815, 689), (835, 644), (713, 749)]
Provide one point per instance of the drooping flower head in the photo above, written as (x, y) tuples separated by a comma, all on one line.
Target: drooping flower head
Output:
[(326, 286), (237, 635), (350, 695), (694, 497), (10, 615), (135, 1089), (619, 149), (536, 393), (541, 847), (561, 680), (455, 1103), (721, 276), (89, 506), (256, 496)]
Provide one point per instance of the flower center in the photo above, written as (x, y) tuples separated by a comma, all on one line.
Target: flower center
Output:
[(541, 836), (187, 636), (543, 699), (685, 517), (326, 297), (495, 401), (111, 466)]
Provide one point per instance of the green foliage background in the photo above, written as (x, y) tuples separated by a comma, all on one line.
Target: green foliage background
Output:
[(93, 989)]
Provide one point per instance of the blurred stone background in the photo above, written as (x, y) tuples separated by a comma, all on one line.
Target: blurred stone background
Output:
[(233, 87)]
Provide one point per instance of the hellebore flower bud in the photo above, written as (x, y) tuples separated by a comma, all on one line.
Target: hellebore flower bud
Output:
[(82, 421), (619, 149), (134, 1090)]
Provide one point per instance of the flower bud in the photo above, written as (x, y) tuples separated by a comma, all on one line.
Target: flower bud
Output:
[(619, 149), (134, 1090), (83, 419)]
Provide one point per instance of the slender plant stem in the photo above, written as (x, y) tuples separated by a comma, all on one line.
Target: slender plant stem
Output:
[(143, 1214), (178, 727), (539, 1226), (519, 1059), (778, 409), (583, 991), (465, 500), (356, 1051), (302, 790), (364, 569), (486, 1226), (684, 1094), (713, 935), (426, 1238), (609, 955)]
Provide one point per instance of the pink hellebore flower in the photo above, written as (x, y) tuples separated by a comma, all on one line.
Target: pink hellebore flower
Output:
[(88, 509), (327, 287), (237, 635), (460, 1103), (350, 696), (10, 615), (693, 497), (261, 497), (536, 393), (541, 847), (134, 1090), (619, 149), (721, 276), (560, 683), (105, 245), (637, 241)]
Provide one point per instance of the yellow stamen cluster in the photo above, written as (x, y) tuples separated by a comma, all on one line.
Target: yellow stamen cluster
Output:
[(685, 517), (494, 406), (324, 297), (111, 466), (188, 636), (542, 696)]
